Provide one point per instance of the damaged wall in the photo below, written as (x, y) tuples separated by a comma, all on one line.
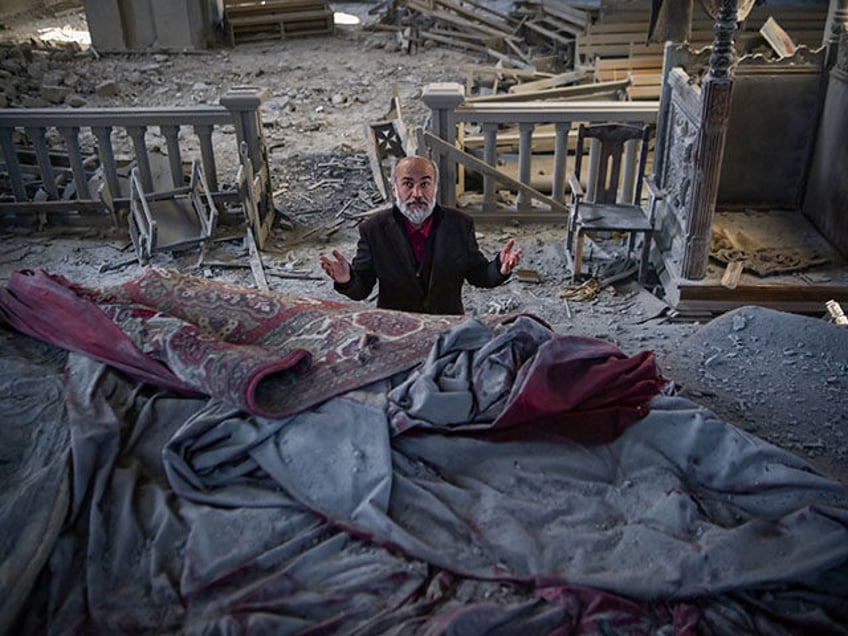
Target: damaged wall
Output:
[(152, 24)]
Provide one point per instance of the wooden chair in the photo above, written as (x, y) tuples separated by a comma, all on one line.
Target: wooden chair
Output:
[(172, 219), (612, 198)]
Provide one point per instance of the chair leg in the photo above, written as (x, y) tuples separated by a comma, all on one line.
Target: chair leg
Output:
[(578, 255), (646, 256)]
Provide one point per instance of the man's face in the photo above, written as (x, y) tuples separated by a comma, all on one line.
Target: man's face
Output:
[(415, 188)]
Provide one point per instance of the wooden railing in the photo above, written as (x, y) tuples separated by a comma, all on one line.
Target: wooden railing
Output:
[(543, 129), (40, 177)]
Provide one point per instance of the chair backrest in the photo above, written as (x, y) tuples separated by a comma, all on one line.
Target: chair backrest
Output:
[(615, 170)]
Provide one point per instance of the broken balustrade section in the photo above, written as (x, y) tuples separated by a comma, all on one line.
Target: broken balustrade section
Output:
[(72, 167)]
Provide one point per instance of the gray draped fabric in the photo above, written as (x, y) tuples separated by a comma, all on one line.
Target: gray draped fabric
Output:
[(188, 516)]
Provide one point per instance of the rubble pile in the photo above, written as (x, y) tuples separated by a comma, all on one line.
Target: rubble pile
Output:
[(533, 41), (33, 75)]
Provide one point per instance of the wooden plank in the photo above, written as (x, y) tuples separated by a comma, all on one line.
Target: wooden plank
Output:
[(455, 20), (649, 93), (629, 63), (558, 25), (276, 18), (618, 50), (275, 7), (280, 28), (478, 165), (500, 25), (645, 79), (482, 69), (639, 77), (501, 16), (836, 312), (569, 77), (482, 39), (452, 41), (786, 297), (255, 261), (566, 13), (562, 92), (555, 37), (732, 274), (508, 60)]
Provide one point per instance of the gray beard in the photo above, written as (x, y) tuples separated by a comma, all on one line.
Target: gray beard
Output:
[(417, 216)]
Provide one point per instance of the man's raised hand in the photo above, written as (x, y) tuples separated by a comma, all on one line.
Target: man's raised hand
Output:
[(509, 257), (338, 268)]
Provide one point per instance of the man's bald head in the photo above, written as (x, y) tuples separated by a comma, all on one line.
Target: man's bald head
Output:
[(414, 183)]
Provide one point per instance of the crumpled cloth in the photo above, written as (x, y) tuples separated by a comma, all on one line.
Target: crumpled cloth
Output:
[(677, 504), (184, 514), (526, 377)]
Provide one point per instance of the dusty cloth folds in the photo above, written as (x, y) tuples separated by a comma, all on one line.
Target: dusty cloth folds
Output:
[(34, 477), (467, 376), (189, 515), (529, 379), (673, 504)]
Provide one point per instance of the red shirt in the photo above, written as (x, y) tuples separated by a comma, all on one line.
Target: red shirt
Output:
[(418, 236)]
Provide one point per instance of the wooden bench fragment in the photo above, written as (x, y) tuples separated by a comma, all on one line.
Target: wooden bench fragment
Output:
[(283, 18)]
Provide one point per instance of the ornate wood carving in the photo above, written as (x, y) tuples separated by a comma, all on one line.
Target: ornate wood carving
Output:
[(681, 160), (715, 109)]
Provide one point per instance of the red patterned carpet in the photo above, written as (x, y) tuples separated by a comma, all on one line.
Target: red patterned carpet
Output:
[(272, 354)]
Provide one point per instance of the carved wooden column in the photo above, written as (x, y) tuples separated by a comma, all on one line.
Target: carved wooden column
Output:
[(715, 112)]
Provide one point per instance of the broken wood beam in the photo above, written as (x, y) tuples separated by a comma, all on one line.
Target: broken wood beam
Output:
[(509, 60), (479, 69), (578, 17), (255, 261), (563, 79), (563, 92), (732, 274), (428, 35), (456, 20), (502, 16), (554, 37), (471, 15), (836, 313)]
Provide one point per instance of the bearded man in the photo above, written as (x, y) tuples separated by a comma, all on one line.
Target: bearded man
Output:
[(418, 252)]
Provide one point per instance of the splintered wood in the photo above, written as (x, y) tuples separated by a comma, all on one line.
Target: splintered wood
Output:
[(836, 313)]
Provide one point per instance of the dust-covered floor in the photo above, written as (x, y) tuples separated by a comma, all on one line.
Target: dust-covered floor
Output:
[(780, 376)]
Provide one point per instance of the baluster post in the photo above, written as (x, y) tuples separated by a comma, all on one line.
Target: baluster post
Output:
[(525, 161), (490, 156), (13, 166), (175, 159), (560, 156), (71, 137), (442, 98)]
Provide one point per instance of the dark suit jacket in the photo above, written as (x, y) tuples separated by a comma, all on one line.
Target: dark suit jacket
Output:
[(384, 256)]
